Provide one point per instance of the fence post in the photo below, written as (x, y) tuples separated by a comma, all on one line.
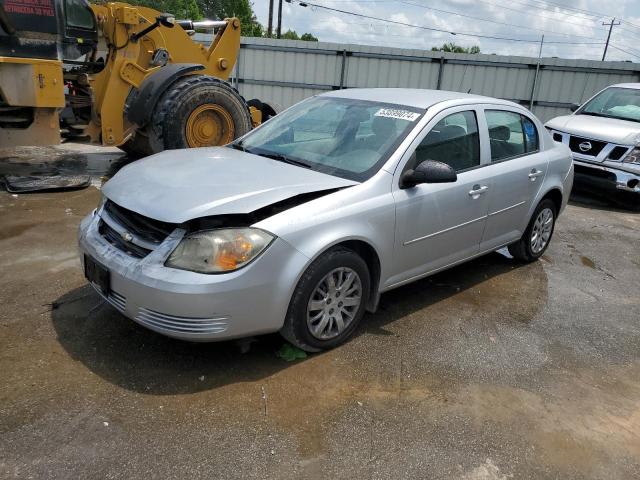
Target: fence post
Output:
[(342, 68), (440, 68), (535, 77)]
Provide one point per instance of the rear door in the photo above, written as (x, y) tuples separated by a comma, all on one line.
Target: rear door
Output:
[(440, 224), (517, 168)]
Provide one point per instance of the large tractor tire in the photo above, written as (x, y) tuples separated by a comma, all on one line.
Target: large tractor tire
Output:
[(138, 146), (198, 111)]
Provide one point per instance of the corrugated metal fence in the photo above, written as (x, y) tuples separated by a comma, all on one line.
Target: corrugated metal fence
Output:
[(287, 71)]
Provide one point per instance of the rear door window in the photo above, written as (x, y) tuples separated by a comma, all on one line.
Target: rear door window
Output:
[(510, 134)]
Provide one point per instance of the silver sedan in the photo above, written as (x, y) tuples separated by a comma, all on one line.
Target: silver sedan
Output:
[(300, 225)]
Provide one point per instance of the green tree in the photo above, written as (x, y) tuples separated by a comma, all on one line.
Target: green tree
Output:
[(290, 35), (293, 35), (452, 47), (242, 9), (182, 9)]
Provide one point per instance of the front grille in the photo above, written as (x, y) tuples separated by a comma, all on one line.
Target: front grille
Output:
[(596, 145), (179, 324), (145, 228), (617, 153), (115, 239)]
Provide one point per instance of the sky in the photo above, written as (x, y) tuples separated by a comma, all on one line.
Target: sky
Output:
[(558, 20)]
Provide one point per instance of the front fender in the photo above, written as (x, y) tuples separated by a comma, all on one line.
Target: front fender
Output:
[(142, 101)]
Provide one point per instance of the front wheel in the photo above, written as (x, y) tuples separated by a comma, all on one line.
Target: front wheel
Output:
[(537, 236), (328, 302)]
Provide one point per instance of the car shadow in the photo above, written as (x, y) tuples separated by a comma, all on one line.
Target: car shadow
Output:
[(592, 198), (134, 358)]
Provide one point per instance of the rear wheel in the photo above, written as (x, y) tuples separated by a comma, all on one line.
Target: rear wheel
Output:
[(198, 111), (537, 236), (328, 302)]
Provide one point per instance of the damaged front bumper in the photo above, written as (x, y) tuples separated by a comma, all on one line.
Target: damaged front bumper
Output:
[(194, 306), (608, 176)]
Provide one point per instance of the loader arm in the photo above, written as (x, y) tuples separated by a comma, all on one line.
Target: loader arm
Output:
[(128, 62)]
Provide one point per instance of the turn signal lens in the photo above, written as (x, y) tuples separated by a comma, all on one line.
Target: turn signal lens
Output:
[(217, 251), (633, 157)]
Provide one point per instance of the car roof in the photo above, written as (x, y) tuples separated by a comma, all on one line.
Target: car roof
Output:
[(414, 97), (626, 85)]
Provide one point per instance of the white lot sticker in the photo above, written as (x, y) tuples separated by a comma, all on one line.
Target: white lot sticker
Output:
[(396, 113)]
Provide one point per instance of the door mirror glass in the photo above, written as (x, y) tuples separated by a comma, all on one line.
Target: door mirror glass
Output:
[(429, 171)]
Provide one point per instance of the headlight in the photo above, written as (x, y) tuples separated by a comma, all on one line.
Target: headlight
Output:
[(216, 251), (633, 157)]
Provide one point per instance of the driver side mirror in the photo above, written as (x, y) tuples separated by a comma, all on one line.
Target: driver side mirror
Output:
[(574, 106), (428, 171)]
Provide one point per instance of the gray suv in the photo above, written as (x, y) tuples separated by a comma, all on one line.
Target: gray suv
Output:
[(604, 137)]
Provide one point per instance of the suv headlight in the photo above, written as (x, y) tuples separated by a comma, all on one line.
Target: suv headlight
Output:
[(633, 157), (217, 251)]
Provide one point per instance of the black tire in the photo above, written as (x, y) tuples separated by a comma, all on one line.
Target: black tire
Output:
[(267, 110), (522, 249), (296, 329), (138, 146), (171, 114)]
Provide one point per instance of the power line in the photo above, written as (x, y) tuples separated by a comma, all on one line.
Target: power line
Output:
[(623, 50), (494, 21), (433, 29), (552, 18), (583, 11)]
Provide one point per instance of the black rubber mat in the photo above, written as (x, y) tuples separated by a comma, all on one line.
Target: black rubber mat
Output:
[(20, 184)]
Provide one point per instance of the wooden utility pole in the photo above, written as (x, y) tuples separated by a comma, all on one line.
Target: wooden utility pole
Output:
[(279, 31), (606, 45), (270, 25)]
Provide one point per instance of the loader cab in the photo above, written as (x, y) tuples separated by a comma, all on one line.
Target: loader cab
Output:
[(50, 29)]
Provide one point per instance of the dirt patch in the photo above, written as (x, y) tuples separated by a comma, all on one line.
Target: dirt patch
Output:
[(587, 262)]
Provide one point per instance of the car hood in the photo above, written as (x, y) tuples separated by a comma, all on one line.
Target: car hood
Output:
[(598, 128), (179, 185)]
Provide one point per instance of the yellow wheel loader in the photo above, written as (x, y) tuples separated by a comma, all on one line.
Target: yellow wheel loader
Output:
[(117, 75)]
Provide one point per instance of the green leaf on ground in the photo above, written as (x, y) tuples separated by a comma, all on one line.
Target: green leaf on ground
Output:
[(289, 353)]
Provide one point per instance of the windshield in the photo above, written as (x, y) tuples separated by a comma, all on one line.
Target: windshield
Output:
[(343, 137), (615, 102)]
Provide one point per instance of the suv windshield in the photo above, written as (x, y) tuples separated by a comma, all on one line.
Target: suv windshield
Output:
[(615, 102), (343, 137)]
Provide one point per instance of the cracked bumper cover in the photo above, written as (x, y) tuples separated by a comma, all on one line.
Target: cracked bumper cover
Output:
[(194, 306), (609, 174)]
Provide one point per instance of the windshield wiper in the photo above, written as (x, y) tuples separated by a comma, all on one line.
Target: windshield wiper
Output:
[(238, 146), (594, 114), (283, 158)]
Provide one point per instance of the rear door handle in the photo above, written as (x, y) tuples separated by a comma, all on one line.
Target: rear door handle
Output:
[(478, 190), (535, 173)]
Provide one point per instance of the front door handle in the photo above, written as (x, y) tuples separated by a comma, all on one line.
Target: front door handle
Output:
[(535, 173), (478, 190)]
